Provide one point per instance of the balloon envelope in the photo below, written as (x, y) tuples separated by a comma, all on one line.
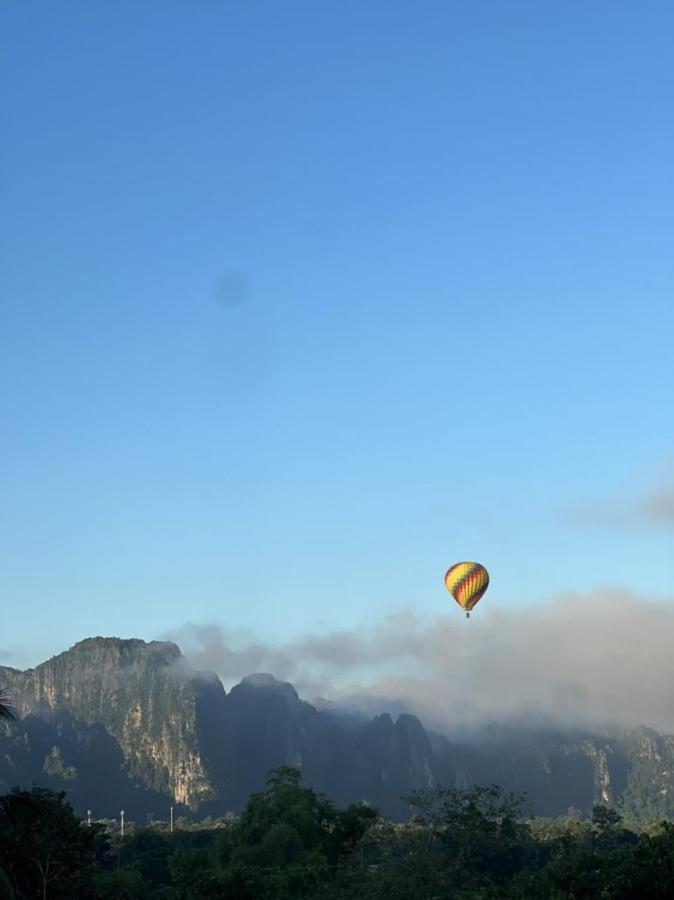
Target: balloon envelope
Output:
[(467, 582)]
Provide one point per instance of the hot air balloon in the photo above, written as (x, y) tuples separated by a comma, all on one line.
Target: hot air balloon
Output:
[(467, 582)]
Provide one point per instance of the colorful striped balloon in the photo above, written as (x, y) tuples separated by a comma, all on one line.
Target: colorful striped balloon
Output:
[(467, 582)]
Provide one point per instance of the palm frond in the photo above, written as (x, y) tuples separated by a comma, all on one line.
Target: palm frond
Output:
[(7, 708)]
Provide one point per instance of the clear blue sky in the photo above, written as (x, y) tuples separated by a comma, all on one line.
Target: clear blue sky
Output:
[(302, 302)]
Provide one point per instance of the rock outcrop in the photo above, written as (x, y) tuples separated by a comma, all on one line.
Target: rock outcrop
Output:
[(124, 723)]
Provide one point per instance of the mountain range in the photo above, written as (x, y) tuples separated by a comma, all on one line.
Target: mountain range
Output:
[(129, 724)]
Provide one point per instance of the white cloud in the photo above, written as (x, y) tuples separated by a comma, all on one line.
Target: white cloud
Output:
[(601, 659)]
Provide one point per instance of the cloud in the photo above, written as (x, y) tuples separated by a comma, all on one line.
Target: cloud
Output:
[(658, 506), (601, 660), (209, 647), (653, 509)]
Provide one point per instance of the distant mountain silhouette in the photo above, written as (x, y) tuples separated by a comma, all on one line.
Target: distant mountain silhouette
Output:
[(128, 724)]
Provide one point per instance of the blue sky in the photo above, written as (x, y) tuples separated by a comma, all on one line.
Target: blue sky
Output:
[(301, 303)]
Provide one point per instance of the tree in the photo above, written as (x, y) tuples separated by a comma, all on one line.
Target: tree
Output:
[(286, 845), (608, 831), (283, 844), (46, 850), (125, 884), (605, 819), (6, 890), (10, 804), (481, 829), (458, 844)]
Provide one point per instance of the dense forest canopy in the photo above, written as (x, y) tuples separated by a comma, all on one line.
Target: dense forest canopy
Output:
[(292, 842)]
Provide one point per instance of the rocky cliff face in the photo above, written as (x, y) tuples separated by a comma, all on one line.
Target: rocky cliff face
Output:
[(115, 718), (145, 697), (648, 779), (124, 723), (262, 723)]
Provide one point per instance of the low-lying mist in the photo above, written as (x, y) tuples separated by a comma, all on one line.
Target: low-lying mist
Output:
[(600, 660)]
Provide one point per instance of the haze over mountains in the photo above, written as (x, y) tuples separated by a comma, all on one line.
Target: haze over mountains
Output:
[(124, 723), (598, 660)]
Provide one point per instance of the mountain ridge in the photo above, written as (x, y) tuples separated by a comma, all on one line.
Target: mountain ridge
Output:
[(165, 733)]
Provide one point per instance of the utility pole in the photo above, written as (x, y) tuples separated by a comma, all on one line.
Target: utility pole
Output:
[(89, 818), (171, 820), (122, 815)]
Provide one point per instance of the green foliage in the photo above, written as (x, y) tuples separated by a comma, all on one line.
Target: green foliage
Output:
[(288, 840), (648, 793), (120, 884), (292, 843), (6, 889), (458, 844), (480, 830), (54, 765), (46, 850), (288, 843)]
